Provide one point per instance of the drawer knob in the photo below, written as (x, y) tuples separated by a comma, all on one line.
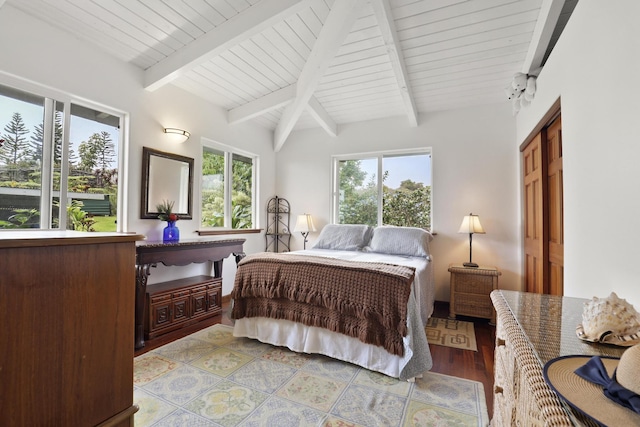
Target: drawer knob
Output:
[(500, 342), (498, 390)]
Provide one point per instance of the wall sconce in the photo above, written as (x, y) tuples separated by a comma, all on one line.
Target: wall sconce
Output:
[(471, 224), (304, 225), (180, 134)]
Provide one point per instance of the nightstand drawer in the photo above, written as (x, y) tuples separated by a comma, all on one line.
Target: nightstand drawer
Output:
[(471, 305), (474, 284)]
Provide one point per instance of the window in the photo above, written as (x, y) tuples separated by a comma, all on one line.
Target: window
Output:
[(57, 152), (228, 183), (391, 188)]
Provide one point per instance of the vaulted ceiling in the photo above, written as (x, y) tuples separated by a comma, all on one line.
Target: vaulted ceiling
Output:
[(295, 64)]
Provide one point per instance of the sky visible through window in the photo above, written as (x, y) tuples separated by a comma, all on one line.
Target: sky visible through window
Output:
[(81, 128), (401, 168)]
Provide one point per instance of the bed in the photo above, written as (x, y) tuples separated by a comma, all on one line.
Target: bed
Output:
[(400, 257)]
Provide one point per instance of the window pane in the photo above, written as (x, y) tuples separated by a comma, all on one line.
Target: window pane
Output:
[(212, 188), (407, 191), (93, 170), (21, 128), (32, 169), (358, 187), (241, 197)]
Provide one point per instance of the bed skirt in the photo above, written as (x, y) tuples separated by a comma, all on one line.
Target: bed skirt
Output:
[(310, 339)]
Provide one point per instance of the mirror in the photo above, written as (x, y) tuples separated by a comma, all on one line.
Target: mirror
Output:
[(166, 176)]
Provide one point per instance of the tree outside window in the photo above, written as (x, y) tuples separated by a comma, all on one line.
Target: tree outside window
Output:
[(31, 157), (384, 189), (228, 180)]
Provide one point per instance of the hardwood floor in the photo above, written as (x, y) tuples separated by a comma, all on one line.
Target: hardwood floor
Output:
[(473, 365)]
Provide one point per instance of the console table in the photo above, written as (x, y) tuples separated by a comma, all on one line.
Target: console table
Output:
[(184, 252), (531, 330)]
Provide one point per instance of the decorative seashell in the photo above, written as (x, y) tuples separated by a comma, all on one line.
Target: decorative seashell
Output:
[(610, 320)]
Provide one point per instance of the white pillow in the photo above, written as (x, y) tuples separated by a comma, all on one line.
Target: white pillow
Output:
[(345, 237), (407, 241)]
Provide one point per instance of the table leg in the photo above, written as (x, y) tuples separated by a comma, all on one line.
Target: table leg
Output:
[(239, 256), (142, 273)]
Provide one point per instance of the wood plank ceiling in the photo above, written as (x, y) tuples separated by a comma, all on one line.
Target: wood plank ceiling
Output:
[(296, 64)]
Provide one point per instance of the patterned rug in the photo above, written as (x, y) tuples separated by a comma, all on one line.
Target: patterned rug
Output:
[(211, 378), (451, 333)]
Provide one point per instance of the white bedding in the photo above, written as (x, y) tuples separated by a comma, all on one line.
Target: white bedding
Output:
[(310, 339)]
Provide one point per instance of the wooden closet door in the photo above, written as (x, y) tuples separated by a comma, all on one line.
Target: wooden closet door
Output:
[(534, 194), (555, 208), (544, 211)]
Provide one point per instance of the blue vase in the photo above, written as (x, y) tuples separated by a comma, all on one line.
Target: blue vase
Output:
[(170, 232)]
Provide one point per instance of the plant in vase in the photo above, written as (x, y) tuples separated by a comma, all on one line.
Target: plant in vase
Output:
[(171, 233)]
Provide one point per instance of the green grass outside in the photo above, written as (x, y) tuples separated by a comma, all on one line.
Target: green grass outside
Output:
[(104, 223)]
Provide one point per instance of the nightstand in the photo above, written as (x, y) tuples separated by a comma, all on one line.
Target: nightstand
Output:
[(470, 290)]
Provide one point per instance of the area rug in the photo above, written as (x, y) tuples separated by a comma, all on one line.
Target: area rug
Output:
[(211, 378), (451, 333)]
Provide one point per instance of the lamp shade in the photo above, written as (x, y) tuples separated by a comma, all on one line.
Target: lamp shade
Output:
[(304, 224), (471, 224)]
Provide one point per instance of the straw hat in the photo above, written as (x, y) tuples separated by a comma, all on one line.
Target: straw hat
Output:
[(589, 397)]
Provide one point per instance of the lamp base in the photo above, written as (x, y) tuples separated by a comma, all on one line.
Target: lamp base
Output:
[(470, 265)]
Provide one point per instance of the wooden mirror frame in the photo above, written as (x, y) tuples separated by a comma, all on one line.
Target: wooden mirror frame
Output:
[(147, 212)]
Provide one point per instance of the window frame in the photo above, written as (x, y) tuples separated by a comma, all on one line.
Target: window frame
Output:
[(229, 151), (379, 156), (52, 96)]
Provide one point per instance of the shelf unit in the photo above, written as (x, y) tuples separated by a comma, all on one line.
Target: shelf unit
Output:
[(278, 234)]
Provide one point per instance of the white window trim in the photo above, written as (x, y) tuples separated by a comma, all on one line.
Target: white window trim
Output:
[(67, 99), (335, 159), (228, 153)]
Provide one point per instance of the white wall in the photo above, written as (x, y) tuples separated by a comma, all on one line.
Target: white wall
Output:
[(593, 69), (475, 160), (36, 52), (475, 169)]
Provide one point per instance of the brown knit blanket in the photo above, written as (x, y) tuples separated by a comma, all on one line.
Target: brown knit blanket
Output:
[(363, 300)]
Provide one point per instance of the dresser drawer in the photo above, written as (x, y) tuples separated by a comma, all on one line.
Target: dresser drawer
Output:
[(504, 398)]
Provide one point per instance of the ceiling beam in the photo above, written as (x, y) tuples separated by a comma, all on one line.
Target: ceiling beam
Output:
[(278, 99), (240, 27), (336, 27), (546, 23), (382, 10), (263, 105), (322, 117)]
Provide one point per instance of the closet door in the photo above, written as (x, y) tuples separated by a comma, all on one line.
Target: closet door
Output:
[(534, 194), (556, 208), (543, 211)]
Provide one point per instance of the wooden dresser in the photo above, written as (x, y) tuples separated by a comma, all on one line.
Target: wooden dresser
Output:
[(67, 313), (531, 330)]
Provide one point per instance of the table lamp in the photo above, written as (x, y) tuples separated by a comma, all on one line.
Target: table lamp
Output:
[(304, 225), (471, 224)]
